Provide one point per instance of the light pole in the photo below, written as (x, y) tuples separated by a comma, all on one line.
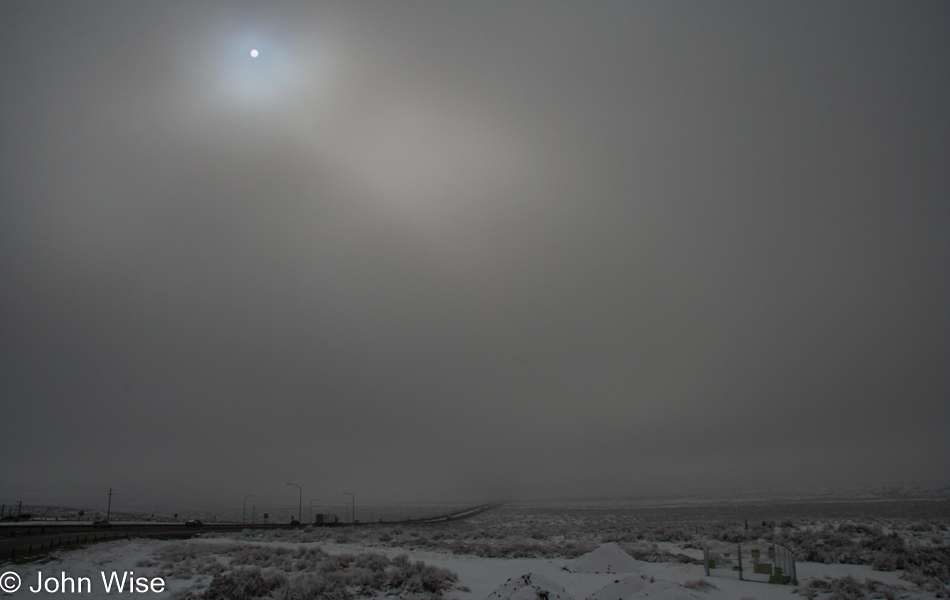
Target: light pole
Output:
[(300, 500), (353, 501), (310, 511), (244, 518)]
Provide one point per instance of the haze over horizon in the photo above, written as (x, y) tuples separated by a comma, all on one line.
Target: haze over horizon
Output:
[(439, 252)]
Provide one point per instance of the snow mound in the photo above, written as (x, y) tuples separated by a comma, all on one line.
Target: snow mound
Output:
[(621, 588), (529, 586), (609, 558), (663, 590)]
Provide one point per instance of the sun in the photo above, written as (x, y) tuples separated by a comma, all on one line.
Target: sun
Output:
[(254, 53)]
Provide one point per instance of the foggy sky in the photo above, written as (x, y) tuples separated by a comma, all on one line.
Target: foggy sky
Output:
[(472, 250)]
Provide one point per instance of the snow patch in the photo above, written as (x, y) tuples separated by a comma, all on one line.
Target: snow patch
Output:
[(664, 590), (609, 558), (620, 588), (530, 586)]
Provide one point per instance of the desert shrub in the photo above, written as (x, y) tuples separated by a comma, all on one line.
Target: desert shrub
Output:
[(365, 579), (177, 553), (206, 565), (419, 579), (849, 588), (285, 559), (840, 588), (312, 586), (372, 560), (308, 558), (181, 571), (700, 585), (244, 584), (734, 536), (261, 556), (887, 562), (304, 573), (338, 562), (651, 553), (555, 533), (929, 568)]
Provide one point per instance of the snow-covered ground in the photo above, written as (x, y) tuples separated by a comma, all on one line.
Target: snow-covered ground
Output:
[(607, 572), (508, 556)]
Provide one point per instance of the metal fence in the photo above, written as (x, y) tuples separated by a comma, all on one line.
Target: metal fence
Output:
[(768, 564), (784, 564)]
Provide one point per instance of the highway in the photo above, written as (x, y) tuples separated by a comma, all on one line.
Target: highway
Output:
[(18, 542), (21, 541)]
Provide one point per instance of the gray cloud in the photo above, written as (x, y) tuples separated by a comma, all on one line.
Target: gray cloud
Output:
[(472, 251)]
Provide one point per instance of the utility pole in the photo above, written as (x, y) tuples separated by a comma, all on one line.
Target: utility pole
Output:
[(109, 510), (353, 503), (244, 518), (310, 511), (299, 502)]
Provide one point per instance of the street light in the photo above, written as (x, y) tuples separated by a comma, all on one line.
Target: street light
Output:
[(244, 518), (300, 500), (310, 511), (353, 501)]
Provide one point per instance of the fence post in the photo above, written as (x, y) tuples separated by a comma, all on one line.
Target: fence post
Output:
[(740, 562)]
